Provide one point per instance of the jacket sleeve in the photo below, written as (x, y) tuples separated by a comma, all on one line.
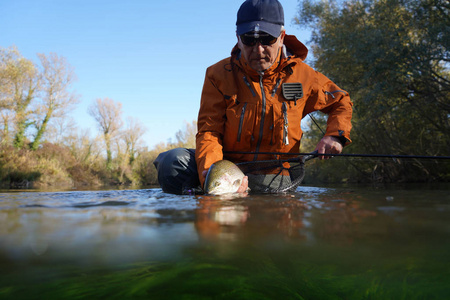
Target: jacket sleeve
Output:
[(210, 125), (332, 100)]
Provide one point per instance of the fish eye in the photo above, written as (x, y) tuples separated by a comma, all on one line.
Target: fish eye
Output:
[(237, 182), (217, 184)]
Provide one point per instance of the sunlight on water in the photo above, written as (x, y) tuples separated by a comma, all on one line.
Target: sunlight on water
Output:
[(317, 243)]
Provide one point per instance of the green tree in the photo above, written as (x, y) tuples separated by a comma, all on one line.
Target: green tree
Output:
[(19, 84), (393, 58)]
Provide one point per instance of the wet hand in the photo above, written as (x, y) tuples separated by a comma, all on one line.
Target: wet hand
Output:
[(329, 145), (244, 185)]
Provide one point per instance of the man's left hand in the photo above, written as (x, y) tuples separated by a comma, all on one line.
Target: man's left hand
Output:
[(329, 145)]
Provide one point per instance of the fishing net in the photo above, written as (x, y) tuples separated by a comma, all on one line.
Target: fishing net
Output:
[(275, 176), (285, 175)]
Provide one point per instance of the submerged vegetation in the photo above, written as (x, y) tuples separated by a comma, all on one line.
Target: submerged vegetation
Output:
[(250, 275), (391, 56)]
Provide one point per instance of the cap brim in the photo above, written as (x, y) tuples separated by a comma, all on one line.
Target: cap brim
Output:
[(270, 28)]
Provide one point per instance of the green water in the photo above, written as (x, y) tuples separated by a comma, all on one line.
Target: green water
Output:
[(348, 242)]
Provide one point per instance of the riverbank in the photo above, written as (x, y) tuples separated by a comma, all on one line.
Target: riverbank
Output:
[(59, 166)]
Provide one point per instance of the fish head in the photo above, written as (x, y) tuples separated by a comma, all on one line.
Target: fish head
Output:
[(223, 177)]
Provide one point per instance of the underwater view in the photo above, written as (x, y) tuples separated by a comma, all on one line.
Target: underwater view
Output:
[(339, 242)]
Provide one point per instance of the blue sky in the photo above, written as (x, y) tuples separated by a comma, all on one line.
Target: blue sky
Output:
[(149, 55)]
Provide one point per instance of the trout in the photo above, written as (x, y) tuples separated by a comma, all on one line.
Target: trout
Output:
[(223, 177)]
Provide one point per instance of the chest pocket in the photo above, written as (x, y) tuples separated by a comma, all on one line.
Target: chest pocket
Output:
[(286, 125), (240, 123)]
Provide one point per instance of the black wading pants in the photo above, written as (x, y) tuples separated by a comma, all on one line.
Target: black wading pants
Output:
[(177, 171)]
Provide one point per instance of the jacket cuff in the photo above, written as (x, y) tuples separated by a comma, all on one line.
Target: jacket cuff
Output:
[(342, 139)]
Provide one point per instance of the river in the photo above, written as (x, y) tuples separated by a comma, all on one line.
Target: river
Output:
[(334, 242)]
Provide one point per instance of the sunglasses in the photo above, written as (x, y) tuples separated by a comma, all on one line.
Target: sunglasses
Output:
[(253, 38)]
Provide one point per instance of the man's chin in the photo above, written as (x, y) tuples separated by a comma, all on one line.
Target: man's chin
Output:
[(259, 66)]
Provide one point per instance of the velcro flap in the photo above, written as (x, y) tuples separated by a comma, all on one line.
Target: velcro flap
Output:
[(292, 90)]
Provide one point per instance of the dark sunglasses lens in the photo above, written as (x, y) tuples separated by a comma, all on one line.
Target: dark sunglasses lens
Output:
[(267, 40), (250, 40)]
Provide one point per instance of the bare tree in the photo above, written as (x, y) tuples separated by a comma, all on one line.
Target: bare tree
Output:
[(108, 115), (186, 138), (132, 135), (57, 76), (60, 130), (85, 149)]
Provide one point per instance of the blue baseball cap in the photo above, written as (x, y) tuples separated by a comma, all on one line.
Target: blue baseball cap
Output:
[(260, 15)]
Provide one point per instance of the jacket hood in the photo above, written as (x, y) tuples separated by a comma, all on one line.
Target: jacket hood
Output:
[(295, 47)]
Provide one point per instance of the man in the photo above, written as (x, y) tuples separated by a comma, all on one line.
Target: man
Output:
[(254, 101)]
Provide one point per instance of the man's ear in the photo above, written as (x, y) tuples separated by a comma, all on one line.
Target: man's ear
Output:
[(282, 35), (239, 43)]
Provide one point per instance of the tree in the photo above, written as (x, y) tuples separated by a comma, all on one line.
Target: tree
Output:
[(19, 84), (61, 130), (56, 78), (108, 115), (5, 134), (186, 138), (131, 136), (393, 58), (84, 149)]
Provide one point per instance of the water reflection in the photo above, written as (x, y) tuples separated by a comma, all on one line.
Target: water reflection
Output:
[(343, 234), (111, 223), (308, 216)]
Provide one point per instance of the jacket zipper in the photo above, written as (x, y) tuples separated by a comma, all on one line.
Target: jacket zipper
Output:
[(276, 87), (263, 113), (241, 122), (247, 83), (285, 127)]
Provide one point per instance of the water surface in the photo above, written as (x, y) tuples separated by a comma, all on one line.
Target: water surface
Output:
[(339, 242)]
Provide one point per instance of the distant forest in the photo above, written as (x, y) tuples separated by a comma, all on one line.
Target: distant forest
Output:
[(392, 57)]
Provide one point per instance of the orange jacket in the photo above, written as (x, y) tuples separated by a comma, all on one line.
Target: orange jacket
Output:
[(242, 110)]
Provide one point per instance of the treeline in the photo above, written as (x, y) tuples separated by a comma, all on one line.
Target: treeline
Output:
[(392, 56), (40, 145)]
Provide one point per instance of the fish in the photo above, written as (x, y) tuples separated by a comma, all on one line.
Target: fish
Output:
[(223, 177)]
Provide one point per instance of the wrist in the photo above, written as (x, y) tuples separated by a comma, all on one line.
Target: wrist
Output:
[(341, 139)]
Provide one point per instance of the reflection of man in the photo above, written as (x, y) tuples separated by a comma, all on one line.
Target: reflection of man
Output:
[(217, 220), (254, 101)]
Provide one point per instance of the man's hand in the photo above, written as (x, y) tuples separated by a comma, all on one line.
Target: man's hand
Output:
[(244, 184), (329, 145)]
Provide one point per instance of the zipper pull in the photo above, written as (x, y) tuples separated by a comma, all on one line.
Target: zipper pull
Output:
[(285, 127)]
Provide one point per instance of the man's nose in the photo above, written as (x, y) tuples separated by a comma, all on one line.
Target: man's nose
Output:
[(258, 47)]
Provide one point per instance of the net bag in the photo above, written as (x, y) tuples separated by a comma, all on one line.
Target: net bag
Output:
[(275, 176)]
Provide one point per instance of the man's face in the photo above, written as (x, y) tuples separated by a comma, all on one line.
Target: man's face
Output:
[(257, 50)]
